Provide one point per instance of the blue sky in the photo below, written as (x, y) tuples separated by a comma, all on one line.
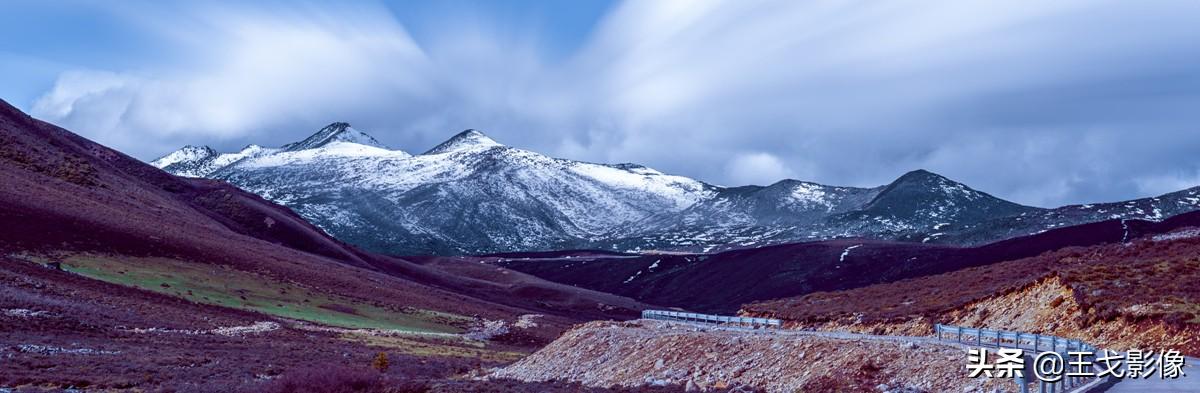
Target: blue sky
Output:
[(50, 37), (1044, 103)]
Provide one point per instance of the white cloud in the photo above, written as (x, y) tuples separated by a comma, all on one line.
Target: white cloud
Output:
[(1046, 103), (757, 168), (258, 71), (84, 88)]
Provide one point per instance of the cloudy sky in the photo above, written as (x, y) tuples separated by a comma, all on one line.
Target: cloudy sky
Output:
[(1044, 103)]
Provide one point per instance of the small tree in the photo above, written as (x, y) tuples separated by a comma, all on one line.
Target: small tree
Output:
[(381, 362)]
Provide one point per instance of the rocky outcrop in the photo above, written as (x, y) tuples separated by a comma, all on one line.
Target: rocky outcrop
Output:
[(1050, 307)]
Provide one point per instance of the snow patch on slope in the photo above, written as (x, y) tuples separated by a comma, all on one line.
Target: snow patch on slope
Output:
[(846, 252), (811, 194)]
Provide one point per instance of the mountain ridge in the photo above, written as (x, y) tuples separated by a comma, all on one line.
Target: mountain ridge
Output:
[(473, 195)]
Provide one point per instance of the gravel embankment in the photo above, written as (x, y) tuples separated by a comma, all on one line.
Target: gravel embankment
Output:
[(645, 352)]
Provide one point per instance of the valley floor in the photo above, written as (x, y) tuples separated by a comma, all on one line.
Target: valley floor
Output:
[(61, 330)]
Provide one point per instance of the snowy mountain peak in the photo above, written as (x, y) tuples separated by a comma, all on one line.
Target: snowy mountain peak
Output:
[(467, 140), (186, 154), (335, 132)]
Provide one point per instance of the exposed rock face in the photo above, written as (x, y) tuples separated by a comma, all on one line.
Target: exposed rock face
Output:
[(646, 352), (1049, 307)]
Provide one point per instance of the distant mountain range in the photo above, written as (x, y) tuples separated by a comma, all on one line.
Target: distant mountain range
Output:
[(473, 195), (722, 282)]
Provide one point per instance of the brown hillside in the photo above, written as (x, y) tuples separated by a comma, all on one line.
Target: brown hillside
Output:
[(1140, 294)]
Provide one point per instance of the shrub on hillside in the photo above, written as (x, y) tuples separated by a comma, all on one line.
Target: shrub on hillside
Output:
[(338, 379), (381, 362)]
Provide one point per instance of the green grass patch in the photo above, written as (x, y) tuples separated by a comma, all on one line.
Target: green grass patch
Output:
[(223, 286)]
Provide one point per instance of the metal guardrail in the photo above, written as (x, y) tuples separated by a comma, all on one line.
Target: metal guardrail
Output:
[(1007, 339), (1035, 342), (711, 319)]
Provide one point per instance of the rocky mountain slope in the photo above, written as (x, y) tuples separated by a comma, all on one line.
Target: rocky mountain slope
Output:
[(472, 195)]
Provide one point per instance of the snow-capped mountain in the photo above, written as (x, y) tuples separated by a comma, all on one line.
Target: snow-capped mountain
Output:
[(192, 161), (745, 216), (469, 194), (921, 203), (472, 194), (917, 203)]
